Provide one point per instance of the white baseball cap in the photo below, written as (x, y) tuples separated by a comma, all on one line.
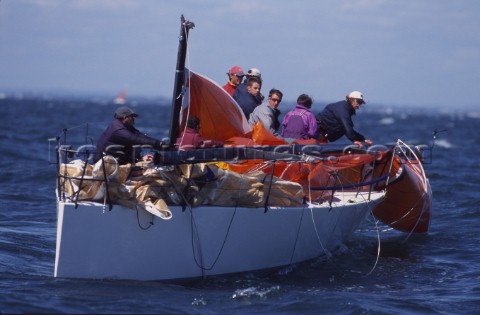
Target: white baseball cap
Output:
[(358, 95), (254, 72)]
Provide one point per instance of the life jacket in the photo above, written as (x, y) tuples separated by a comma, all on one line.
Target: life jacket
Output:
[(295, 127)]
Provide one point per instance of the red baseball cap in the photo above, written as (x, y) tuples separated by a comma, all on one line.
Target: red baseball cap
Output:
[(236, 70)]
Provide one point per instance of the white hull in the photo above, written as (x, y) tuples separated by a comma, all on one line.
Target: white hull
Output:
[(93, 242)]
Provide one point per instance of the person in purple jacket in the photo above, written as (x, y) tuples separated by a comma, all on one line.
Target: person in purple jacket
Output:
[(300, 123), (120, 137)]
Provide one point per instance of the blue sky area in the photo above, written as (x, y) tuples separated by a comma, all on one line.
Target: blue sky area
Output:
[(410, 53)]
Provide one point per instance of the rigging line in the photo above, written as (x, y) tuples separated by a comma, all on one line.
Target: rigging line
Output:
[(202, 264), (424, 177), (193, 230), (367, 172), (270, 186), (327, 253), (378, 237), (425, 186), (195, 235), (79, 126), (362, 184), (84, 169), (377, 259), (138, 219), (416, 223), (63, 185), (106, 180), (377, 229), (74, 127), (389, 171), (298, 233), (334, 175), (404, 216), (377, 232), (58, 167), (424, 182), (309, 185)]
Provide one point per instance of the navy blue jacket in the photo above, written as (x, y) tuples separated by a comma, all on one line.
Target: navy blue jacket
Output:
[(247, 101), (336, 118), (118, 140)]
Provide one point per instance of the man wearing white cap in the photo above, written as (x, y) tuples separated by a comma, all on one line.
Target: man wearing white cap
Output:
[(335, 120)]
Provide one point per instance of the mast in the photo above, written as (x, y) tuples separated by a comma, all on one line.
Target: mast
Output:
[(179, 79)]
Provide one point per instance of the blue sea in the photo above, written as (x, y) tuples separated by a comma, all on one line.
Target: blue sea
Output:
[(437, 273)]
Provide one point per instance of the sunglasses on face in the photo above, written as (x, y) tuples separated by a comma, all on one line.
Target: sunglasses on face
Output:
[(276, 100)]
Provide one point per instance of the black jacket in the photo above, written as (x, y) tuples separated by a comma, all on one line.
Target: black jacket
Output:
[(336, 119), (118, 140)]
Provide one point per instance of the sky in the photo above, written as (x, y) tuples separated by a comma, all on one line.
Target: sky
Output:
[(399, 53)]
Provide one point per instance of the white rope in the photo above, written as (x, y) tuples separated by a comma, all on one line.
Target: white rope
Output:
[(424, 182), (377, 229), (424, 177), (389, 171), (327, 253)]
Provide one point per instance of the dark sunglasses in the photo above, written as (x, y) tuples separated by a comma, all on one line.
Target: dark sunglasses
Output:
[(276, 100), (239, 75)]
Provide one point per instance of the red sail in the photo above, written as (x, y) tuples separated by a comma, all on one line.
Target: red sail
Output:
[(220, 116)]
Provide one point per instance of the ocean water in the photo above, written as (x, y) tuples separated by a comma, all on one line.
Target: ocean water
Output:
[(437, 273)]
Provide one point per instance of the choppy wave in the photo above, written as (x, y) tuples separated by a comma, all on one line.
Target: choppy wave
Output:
[(386, 121), (445, 144)]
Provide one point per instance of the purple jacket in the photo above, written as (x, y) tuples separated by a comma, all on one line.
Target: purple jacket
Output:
[(299, 123)]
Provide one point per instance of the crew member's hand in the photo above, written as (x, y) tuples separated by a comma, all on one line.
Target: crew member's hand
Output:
[(359, 144), (368, 141)]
